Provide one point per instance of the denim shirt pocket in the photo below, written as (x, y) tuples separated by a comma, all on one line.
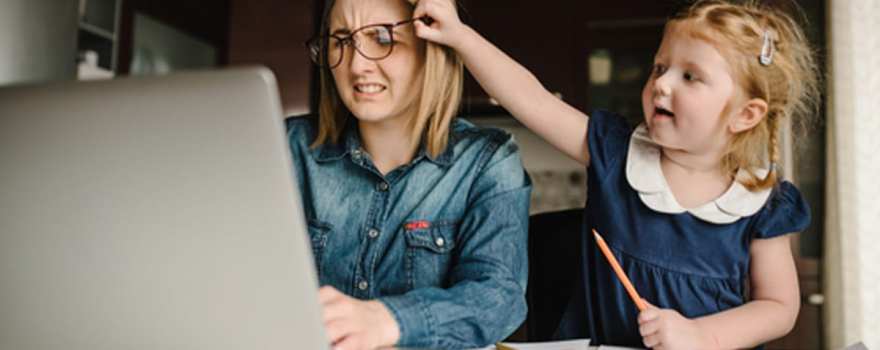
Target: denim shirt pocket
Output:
[(318, 231), (428, 252)]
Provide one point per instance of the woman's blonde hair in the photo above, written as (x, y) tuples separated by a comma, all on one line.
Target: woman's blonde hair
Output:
[(789, 84), (437, 104)]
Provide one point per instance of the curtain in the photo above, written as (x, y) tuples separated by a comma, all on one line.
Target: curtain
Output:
[(852, 246)]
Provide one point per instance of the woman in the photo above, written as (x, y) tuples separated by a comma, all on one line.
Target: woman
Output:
[(417, 220)]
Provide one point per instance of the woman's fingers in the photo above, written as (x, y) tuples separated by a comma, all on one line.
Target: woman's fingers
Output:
[(337, 330), (327, 295), (352, 342), (335, 311)]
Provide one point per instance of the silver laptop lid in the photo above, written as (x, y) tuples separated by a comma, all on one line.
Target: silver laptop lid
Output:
[(152, 213)]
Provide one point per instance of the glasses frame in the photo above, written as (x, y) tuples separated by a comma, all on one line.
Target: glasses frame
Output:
[(349, 40)]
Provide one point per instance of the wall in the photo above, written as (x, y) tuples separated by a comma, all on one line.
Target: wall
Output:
[(558, 182), (273, 33), (37, 40), (853, 239)]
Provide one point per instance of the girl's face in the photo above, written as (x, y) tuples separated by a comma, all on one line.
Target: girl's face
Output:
[(386, 89), (685, 101)]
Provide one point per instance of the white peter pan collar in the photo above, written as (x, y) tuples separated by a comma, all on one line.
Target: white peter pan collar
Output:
[(644, 174)]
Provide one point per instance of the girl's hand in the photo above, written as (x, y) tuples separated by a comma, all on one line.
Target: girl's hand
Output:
[(354, 324), (446, 28), (667, 329)]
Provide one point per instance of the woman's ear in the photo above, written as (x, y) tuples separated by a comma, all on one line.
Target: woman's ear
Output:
[(749, 116)]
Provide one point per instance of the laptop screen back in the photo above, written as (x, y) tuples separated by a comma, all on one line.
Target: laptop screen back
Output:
[(152, 213)]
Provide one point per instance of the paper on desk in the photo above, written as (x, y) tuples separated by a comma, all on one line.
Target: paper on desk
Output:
[(576, 344)]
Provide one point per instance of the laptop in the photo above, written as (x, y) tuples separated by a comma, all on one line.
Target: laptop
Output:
[(152, 213)]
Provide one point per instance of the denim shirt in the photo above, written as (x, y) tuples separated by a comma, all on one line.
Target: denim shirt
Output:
[(440, 241)]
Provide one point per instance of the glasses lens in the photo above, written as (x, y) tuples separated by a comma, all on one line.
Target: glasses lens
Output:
[(334, 51), (375, 42), (330, 46)]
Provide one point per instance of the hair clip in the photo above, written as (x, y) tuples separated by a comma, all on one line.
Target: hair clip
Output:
[(767, 49)]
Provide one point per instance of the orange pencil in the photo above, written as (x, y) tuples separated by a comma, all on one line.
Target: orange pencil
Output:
[(622, 276)]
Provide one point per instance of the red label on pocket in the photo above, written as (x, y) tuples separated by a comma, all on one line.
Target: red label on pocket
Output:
[(415, 225)]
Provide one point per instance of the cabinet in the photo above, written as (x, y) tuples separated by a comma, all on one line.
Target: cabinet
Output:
[(97, 39)]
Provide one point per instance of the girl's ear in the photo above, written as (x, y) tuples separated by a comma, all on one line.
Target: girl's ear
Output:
[(749, 116)]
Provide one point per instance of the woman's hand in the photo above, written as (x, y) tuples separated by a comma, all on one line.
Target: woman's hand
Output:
[(354, 324), (446, 28), (667, 329)]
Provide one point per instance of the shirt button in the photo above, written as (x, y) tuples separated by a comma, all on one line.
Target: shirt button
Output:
[(356, 154), (362, 285), (373, 233), (383, 186), (439, 241)]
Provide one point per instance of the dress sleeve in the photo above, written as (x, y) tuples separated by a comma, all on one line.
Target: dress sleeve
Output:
[(786, 212), (608, 136)]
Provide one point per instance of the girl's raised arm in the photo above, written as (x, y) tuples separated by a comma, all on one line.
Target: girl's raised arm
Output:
[(508, 82)]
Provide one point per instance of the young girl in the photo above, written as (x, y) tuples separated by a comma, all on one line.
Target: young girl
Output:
[(689, 201)]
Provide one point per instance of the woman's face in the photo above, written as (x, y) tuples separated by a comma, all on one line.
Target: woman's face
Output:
[(383, 90)]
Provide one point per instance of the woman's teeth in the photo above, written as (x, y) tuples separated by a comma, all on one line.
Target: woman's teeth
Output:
[(369, 88)]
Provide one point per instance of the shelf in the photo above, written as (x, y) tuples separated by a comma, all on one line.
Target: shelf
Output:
[(97, 31), (99, 14)]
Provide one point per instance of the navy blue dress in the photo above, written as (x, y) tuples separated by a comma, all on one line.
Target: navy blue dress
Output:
[(675, 261)]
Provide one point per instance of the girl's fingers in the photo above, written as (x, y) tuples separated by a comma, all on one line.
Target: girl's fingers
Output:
[(419, 10), (424, 8), (440, 13), (649, 328), (425, 32), (651, 341), (649, 315)]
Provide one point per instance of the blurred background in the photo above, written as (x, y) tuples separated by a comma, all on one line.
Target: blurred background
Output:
[(592, 54)]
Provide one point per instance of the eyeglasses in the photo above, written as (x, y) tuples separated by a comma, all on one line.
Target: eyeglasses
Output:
[(374, 42)]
